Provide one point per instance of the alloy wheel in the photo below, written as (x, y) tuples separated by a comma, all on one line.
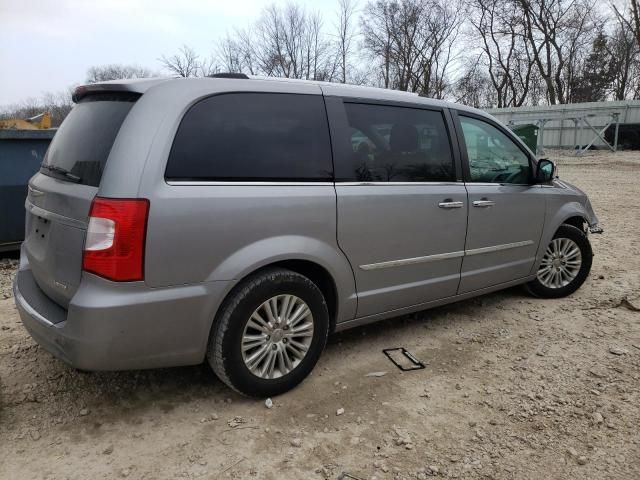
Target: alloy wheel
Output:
[(277, 336), (561, 263)]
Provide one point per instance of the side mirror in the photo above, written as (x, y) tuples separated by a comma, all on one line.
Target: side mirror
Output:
[(545, 171)]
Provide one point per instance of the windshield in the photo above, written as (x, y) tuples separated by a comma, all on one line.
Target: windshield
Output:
[(80, 148)]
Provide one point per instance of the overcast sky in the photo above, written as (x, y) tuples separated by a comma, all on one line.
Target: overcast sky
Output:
[(48, 45)]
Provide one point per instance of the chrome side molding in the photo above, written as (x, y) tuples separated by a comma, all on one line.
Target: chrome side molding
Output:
[(412, 261), (444, 256), (498, 248)]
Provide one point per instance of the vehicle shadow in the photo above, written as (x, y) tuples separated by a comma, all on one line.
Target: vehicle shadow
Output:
[(126, 395), (434, 317)]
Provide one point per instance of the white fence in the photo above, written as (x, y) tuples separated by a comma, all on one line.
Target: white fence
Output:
[(572, 125)]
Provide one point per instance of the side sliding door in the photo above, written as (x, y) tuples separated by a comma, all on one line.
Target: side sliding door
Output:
[(402, 205)]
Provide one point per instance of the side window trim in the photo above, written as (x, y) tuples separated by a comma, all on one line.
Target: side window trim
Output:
[(456, 147), (338, 123), (456, 114)]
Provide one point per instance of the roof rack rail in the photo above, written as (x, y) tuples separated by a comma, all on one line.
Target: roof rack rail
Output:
[(229, 75)]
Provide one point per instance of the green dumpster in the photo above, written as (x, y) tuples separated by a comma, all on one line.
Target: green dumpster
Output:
[(528, 134)]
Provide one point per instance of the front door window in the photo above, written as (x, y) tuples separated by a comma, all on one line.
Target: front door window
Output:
[(493, 156)]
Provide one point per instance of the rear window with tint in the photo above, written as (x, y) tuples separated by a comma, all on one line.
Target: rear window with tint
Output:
[(253, 137), (82, 144), (396, 144)]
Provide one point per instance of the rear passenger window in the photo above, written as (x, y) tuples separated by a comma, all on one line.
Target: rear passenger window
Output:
[(398, 144), (253, 137)]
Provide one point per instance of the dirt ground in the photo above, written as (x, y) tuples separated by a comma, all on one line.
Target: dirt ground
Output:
[(514, 388)]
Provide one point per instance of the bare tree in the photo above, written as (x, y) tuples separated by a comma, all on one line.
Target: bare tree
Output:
[(185, 63), (346, 35), (624, 52), (285, 42), (236, 53), (632, 21), (474, 87), (635, 15), (505, 53), (320, 61), (208, 66), (412, 41), (517, 52), (116, 71), (557, 31), (280, 34), (377, 32), (230, 54), (442, 27)]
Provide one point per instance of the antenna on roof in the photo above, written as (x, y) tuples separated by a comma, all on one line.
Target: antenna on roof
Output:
[(229, 75)]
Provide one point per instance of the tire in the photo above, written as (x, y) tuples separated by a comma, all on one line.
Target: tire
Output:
[(236, 323), (543, 285)]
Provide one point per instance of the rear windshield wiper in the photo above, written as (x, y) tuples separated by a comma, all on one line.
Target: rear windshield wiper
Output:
[(65, 173)]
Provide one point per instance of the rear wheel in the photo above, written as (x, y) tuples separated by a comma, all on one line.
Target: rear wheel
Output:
[(269, 333), (565, 265)]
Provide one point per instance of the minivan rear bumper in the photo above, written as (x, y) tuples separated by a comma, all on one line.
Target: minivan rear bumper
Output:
[(121, 326)]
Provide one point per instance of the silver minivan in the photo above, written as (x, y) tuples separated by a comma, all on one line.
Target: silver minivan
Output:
[(242, 220)]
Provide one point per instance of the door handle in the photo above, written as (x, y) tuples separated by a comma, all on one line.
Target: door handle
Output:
[(483, 203), (448, 203)]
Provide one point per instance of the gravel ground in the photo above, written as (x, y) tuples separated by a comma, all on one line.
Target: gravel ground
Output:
[(8, 267), (514, 388)]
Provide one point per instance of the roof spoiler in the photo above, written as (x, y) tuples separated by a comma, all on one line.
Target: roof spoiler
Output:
[(83, 90), (139, 85)]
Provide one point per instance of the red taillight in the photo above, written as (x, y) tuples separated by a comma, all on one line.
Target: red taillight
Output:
[(114, 247)]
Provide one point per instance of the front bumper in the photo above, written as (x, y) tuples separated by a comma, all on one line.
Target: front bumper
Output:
[(121, 326)]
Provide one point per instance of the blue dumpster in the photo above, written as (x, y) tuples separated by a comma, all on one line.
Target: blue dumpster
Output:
[(21, 153)]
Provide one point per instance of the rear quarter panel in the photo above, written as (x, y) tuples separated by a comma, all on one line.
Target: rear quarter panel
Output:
[(222, 232)]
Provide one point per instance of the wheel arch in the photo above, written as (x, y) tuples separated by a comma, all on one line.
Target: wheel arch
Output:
[(314, 272), (310, 269), (321, 262), (577, 221), (570, 213), (306, 255)]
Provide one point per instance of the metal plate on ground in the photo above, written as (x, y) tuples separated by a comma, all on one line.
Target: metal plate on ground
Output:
[(396, 355), (347, 476)]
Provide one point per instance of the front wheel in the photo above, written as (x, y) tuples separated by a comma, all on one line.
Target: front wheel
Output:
[(565, 265), (269, 333)]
